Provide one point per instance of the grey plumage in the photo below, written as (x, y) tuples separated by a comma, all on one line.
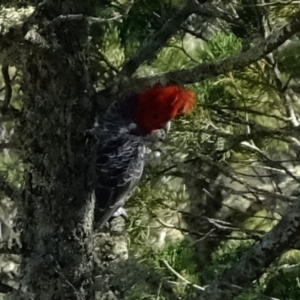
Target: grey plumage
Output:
[(119, 160)]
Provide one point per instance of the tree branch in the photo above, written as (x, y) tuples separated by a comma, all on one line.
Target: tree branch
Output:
[(158, 39), (181, 277), (254, 263), (193, 33), (234, 62), (7, 86), (207, 70)]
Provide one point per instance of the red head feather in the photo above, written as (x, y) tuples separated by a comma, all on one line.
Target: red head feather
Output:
[(158, 105)]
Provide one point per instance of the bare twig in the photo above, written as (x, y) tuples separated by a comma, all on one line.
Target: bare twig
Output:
[(8, 89), (237, 61), (92, 20), (193, 33), (267, 158), (274, 3), (245, 109), (158, 291), (157, 40), (11, 80), (108, 63), (181, 277), (56, 269), (253, 264), (204, 235), (194, 242), (207, 70)]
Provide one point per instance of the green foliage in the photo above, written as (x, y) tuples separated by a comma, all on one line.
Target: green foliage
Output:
[(11, 168), (289, 58), (143, 19), (222, 258), (248, 102), (108, 53), (251, 16), (179, 255), (262, 221), (180, 258), (188, 52), (283, 11), (143, 292), (283, 280), (219, 46)]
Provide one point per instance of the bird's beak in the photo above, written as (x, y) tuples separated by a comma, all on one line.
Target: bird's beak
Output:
[(167, 127), (161, 134)]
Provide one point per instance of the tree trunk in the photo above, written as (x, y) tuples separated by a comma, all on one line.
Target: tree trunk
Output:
[(56, 207)]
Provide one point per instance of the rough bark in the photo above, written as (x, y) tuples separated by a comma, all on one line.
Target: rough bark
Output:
[(56, 206)]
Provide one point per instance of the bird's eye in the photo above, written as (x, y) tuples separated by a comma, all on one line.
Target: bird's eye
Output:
[(155, 116)]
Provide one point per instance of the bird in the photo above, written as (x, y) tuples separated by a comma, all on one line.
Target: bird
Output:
[(127, 128)]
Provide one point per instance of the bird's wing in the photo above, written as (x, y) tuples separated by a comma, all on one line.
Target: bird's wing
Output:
[(119, 167)]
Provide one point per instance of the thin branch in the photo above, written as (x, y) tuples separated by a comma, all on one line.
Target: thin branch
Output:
[(254, 262), (267, 158), (8, 89), (108, 63), (246, 109), (275, 3), (181, 277), (56, 269), (11, 80), (207, 234), (228, 206), (215, 12), (96, 20), (208, 70), (239, 61), (254, 190), (181, 48), (193, 33), (148, 52), (91, 20)]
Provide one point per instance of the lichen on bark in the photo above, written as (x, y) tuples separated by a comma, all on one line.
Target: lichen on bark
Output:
[(56, 206)]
